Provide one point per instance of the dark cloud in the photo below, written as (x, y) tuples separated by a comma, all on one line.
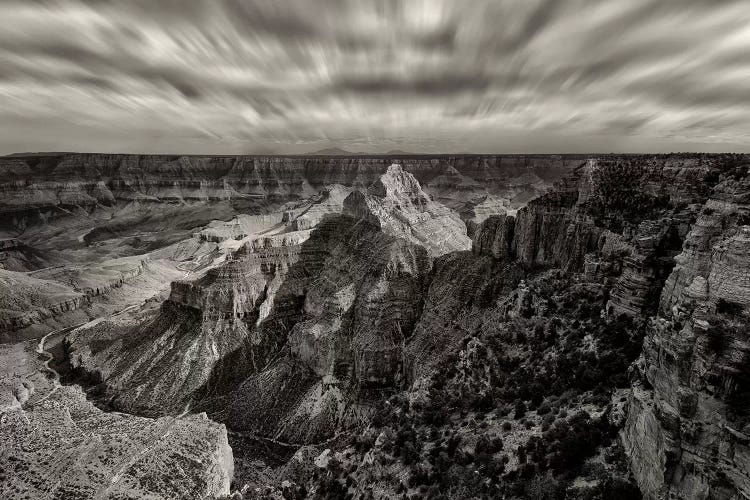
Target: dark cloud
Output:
[(259, 75), (428, 86)]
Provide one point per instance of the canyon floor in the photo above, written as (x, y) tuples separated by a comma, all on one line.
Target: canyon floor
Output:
[(388, 327)]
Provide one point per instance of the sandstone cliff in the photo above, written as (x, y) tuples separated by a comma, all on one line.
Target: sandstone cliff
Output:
[(669, 241), (342, 297), (688, 425)]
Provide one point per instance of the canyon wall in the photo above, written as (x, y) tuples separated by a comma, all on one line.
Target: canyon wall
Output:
[(298, 334), (671, 242), (688, 426), (33, 188)]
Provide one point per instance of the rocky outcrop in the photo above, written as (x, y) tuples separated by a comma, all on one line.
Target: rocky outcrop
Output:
[(594, 203), (78, 298), (329, 202), (478, 210), (57, 444), (398, 206), (304, 328), (688, 428), (15, 255), (494, 237), (240, 227), (684, 257), (349, 342), (224, 324)]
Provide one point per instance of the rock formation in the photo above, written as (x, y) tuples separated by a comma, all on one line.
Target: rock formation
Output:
[(688, 426), (398, 206), (358, 276), (56, 444), (395, 327), (34, 187)]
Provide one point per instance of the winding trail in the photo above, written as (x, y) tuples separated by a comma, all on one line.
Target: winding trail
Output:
[(55, 375), (40, 349)]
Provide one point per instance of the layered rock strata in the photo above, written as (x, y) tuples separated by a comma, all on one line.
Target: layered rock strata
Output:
[(688, 426), (342, 297), (398, 206), (298, 334), (34, 187)]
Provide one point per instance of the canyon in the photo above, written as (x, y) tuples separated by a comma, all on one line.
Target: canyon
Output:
[(519, 326)]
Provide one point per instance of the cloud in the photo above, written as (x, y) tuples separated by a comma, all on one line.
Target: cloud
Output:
[(429, 75)]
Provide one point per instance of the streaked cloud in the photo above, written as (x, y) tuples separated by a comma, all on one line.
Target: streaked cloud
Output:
[(241, 76)]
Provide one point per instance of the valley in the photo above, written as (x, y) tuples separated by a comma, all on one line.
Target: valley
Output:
[(473, 326)]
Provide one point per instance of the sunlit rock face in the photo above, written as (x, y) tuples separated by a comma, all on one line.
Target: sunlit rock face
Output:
[(357, 313), (294, 325), (210, 330), (397, 204), (57, 444), (66, 216), (688, 427)]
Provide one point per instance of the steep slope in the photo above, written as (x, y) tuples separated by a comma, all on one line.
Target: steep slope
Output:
[(624, 225), (688, 426), (362, 323), (361, 273), (522, 393), (398, 206), (225, 323), (67, 215)]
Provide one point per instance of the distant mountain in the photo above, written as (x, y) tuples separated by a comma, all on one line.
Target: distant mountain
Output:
[(335, 152), (38, 153), (344, 152)]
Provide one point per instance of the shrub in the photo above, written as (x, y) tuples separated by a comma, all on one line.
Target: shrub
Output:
[(520, 409)]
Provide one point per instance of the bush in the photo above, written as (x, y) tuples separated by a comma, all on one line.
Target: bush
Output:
[(519, 410)]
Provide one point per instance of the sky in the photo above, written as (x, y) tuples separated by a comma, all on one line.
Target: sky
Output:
[(425, 76)]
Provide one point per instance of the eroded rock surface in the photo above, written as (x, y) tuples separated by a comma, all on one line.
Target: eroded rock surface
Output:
[(56, 444), (688, 426)]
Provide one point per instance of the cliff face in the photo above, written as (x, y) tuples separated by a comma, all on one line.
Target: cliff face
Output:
[(669, 242), (342, 296), (37, 188), (622, 221), (398, 206), (688, 426), (224, 324), (335, 304)]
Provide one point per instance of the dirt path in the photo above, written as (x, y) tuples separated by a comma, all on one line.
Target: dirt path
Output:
[(40, 349)]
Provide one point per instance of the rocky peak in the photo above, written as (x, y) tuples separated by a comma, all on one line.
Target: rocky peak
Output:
[(399, 187), (397, 205)]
